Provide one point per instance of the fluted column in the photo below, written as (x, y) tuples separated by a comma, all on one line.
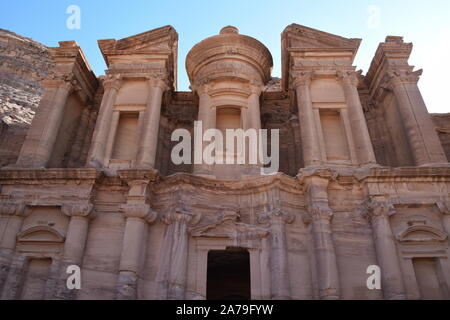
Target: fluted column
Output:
[(423, 139), (321, 214), (310, 140), (279, 266), (207, 120), (38, 146), (360, 132), (148, 140), (15, 214), (137, 217), (379, 211), (97, 151), (75, 243), (178, 222)]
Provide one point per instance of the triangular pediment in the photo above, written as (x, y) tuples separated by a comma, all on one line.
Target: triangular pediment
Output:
[(298, 36)]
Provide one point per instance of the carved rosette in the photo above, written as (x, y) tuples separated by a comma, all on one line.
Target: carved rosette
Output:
[(377, 208), (78, 210), (138, 211), (301, 78)]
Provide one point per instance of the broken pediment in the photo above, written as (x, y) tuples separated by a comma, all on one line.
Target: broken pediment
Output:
[(296, 36), (162, 40), (307, 48)]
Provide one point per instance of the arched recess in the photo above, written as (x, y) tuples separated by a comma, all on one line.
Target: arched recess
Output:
[(424, 252)]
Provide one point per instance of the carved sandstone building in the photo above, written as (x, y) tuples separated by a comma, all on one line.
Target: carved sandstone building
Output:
[(364, 179)]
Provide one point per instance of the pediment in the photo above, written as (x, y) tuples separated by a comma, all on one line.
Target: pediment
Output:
[(298, 36), (162, 40), (230, 229), (421, 233), (40, 234)]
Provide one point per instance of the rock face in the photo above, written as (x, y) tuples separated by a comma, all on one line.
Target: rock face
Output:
[(23, 64)]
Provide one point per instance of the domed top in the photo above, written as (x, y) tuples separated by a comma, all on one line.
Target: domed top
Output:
[(229, 55), (229, 29)]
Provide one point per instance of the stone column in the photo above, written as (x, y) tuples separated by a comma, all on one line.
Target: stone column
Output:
[(308, 127), (360, 132), (74, 245), (97, 151), (253, 121), (137, 217), (178, 222), (423, 139), (38, 146), (15, 214), (444, 207), (78, 143), (321, 214), (379, 211), (207, 116), (148, 140), (279, 267)]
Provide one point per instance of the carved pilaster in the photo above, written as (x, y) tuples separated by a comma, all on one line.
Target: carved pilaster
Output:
[(74, 245), (280, 279), (424, 142), (444, 207), (378, 211), (97, 152), (137, 216), (310, 140), (148, 139), (177, 245)]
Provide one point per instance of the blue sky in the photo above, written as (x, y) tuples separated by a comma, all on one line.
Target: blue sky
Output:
[(425, 23)]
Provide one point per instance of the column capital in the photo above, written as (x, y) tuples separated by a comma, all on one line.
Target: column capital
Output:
[(444, 207), (181, 215), (112, 81), (349, 77), (301, 78), (12, 209), (85, 210), (139, 211), (276, 215), (157, 81), (377, 207), (66, 81), (394, 78), (320, 211)]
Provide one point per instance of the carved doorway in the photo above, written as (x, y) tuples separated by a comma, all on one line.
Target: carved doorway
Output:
[(228, 274)]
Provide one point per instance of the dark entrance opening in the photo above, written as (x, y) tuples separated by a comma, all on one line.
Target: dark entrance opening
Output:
[(228, 275)]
